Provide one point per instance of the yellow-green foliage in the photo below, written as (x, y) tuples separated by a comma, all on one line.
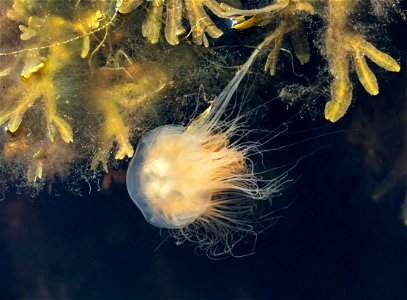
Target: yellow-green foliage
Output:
[(70, 91), (53, 105), (39, 68), (344, 48), (192, 10)]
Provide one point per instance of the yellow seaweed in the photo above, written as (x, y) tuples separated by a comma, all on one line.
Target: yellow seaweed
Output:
[(152, 24), (344, 48), (365, 75), (192, 10), (51, 45), (342, 45), (288, 15), (379, 58), (174, 28)]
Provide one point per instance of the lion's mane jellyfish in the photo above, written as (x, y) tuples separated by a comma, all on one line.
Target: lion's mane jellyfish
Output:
[(199, 181)]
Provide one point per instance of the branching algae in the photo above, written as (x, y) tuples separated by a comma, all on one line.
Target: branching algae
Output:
[(76, 90), (343, 46), (53, 103), (176, 10)]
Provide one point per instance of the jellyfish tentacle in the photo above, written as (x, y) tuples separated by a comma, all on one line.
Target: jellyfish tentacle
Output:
[(197, 183)]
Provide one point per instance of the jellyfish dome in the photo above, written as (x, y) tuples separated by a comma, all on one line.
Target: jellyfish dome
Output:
[(167, 178), (198, 181)]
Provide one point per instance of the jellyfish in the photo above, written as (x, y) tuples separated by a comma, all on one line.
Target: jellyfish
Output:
[(198, 181)]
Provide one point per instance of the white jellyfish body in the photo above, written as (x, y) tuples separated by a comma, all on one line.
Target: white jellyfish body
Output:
[(166, 179), (194, 181)]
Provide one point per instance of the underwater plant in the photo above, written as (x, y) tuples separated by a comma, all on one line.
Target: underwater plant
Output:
[(344, 47), (59, 105), (71, 44), (35, 86), (176, 10), (79, 89)]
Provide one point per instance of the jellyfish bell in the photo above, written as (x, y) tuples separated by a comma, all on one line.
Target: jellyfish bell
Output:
[(165, 180), (199, 182), (175, 174)]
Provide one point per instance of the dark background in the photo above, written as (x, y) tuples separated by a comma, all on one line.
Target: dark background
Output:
[(333, 242)]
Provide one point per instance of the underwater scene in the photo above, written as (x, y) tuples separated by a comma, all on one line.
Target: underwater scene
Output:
[(203, 149)]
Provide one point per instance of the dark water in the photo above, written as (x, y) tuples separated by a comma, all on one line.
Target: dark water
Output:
[(334, 241)]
